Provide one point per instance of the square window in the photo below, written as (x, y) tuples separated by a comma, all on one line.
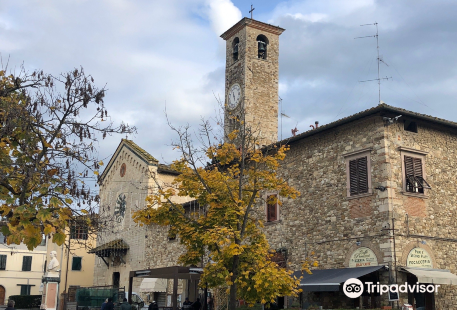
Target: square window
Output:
[(76, 263), (78, 230), (410, 126)]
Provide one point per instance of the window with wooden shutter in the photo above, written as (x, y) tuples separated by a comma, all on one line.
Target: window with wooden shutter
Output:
[(272, 208), (76, 264), (25, 289), (414, 179), (26, 263), (358, 176), (3, 262)]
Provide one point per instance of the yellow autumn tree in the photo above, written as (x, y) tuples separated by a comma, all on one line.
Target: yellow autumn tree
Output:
[(226, 180), (49, 126)]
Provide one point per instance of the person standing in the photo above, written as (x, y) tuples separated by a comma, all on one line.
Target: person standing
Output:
[(10, 305), (125, 305), (109, 305), (187, 304), (104, 304), (153, 306), (197, 304)]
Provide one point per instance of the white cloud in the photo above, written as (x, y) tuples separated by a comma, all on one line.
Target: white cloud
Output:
[(313, 17), (223, 14)]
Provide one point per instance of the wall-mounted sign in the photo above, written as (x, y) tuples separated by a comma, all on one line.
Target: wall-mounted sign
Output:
[(363, 257), (420, 258)]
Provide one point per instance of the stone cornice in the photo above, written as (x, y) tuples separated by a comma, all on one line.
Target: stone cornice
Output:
[(254, 24)]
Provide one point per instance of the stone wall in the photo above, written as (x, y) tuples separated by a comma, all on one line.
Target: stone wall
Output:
[(134, 185), (323, 219), (431, 215), (258, 79), (148, 245)]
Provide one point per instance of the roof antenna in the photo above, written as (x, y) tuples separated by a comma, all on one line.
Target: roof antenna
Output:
[(379, 59), (282, 115)]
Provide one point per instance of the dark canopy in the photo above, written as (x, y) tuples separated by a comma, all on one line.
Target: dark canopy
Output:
[(327, 280)]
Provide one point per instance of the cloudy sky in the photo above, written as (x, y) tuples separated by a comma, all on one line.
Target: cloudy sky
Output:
[(150, 53)]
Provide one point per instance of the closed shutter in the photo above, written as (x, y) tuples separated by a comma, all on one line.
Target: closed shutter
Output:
[(3, 262), (272, 208), (25, 289), (413, 171), (76, 263), (26, 263), (358, 176), (161, 299)]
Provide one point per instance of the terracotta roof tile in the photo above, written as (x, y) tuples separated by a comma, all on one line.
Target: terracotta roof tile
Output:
[(383, 107)]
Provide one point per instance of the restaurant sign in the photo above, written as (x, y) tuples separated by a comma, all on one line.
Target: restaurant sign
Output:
[(420, 258), (363, 257)]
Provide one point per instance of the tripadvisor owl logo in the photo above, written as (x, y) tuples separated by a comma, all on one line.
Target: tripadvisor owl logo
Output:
[(353, 288)]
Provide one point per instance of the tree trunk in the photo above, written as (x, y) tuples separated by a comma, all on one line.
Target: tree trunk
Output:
[(232, 298)]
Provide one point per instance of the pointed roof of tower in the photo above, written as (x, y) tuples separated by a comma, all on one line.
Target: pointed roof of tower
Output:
[(254, 24)]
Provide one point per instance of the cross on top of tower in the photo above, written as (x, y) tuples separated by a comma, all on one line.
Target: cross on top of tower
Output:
[(252, 10)]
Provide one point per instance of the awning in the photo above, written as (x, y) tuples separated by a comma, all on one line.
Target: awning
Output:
[(329, 280), (105, 250), (153, 285), (434, 276)]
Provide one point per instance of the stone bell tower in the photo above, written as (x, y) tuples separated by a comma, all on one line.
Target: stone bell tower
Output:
[(251, 78)]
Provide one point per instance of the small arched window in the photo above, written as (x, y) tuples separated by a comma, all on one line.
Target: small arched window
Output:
[(262, 43), (235, 45)]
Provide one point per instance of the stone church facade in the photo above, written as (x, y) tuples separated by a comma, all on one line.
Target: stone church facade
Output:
[(377, 192)]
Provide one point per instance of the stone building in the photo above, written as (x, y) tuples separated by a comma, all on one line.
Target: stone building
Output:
[(124, 246), (377, 192)]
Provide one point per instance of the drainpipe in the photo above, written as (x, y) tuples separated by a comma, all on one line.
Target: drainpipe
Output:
[(66, 271)]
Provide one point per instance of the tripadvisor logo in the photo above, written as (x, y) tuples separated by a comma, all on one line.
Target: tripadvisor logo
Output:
[(353, 288)]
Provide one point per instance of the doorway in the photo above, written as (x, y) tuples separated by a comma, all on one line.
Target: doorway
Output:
[(2, 295), (116, 279), (422, 301)]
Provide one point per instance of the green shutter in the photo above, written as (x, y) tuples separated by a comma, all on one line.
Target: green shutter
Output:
[(76, 263), (3, 262), (26, 263), (25, 289)]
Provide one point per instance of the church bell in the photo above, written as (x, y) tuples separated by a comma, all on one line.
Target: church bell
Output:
[(235, 49), (262, 47)]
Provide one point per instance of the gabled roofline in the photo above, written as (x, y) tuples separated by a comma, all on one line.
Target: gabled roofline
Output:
[(377, 109), (134, 148), (251, 23)]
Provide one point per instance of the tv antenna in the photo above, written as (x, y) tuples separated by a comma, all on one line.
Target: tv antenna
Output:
[(379, 59)]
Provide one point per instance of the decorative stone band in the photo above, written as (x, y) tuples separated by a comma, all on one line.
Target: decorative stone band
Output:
[(50, 279)]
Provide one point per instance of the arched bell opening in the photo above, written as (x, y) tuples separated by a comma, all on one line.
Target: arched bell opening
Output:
[(235, 46), (262, 43)]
